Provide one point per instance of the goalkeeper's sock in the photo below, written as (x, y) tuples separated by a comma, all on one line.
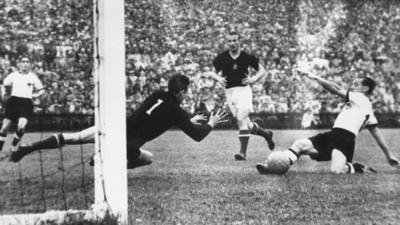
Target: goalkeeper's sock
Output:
[(54, 141)]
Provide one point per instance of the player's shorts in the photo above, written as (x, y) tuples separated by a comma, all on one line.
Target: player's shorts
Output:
[(239, 99), (337, 138), (18, 107)]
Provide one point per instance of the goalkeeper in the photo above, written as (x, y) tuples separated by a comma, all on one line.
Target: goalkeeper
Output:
[(158, 113)]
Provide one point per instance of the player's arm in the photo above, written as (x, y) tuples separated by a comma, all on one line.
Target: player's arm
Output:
[(7, 84), (7, 92), (329, 85), (260, 74), (216, 76), (197, 132), (196, 119), (39, 89), (38, 93), (375, 132)]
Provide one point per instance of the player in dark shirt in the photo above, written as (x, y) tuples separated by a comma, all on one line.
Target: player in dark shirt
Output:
[(158, 113), (232, 71)]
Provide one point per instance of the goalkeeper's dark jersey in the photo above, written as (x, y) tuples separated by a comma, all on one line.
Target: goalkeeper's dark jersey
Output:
[(235, 70), (158, 113)]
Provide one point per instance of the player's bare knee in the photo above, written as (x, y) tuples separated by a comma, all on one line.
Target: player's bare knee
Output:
[(243, 116), (145, 157)]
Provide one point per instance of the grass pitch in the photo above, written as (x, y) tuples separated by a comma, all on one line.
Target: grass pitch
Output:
[(201, 183)]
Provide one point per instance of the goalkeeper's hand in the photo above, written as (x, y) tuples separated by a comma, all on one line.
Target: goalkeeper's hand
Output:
[(197, 119)]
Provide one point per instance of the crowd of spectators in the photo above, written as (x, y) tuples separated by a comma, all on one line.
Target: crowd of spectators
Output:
[(57, 36), (340, 39)]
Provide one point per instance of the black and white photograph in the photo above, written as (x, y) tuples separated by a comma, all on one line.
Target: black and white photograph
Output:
[(199, 112)]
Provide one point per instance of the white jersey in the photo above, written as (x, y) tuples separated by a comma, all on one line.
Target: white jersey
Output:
[(22, 84), (356, 114)]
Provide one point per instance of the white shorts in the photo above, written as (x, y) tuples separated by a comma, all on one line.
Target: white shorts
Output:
[(240, 101)]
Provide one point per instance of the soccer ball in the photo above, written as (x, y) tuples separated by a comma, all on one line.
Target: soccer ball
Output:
[(278, 162)]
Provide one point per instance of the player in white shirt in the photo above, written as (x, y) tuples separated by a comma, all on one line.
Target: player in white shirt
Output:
[(338, 144), (20, 86)]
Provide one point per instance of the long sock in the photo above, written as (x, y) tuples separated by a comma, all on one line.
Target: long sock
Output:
[(17, 137), (53, 141), (350, 167), (257, 130), (244, 140), (2, 139), (293, 156)]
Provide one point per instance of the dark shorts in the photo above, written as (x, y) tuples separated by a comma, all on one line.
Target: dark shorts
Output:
[(18, 107), (337, 138)]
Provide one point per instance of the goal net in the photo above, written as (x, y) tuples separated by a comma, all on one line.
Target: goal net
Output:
[(58, 185)]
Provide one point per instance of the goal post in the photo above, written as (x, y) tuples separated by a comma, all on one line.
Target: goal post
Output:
[(109, 73)]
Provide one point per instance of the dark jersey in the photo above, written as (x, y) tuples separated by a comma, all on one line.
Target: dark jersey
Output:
[(158, 113), (235, 70)]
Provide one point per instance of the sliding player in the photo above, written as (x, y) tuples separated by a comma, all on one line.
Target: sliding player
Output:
[(159, 112), (338, 144)]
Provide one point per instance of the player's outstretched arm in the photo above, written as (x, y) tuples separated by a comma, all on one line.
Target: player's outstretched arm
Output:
[(218, 117), (375, 132), (197, 132), (198, 118), (328, 85)]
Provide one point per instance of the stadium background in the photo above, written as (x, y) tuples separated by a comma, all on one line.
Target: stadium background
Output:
[(166, 36), (204, 185)]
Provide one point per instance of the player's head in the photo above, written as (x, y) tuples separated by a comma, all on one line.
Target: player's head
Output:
[(364, 85), (233, 41), (24, 64), (178, 85)]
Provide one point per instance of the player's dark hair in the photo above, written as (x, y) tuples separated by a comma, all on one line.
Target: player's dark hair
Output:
[(178, 83), (233, 32), (370, 83), (24, 57)]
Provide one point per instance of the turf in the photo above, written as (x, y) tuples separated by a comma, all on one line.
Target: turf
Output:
[(201, 183)]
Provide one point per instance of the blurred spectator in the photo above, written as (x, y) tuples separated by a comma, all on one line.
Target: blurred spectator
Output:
[(308, 120), (342, 39)]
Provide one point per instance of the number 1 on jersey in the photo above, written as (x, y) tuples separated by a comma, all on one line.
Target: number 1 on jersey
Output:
[(159, 101)]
